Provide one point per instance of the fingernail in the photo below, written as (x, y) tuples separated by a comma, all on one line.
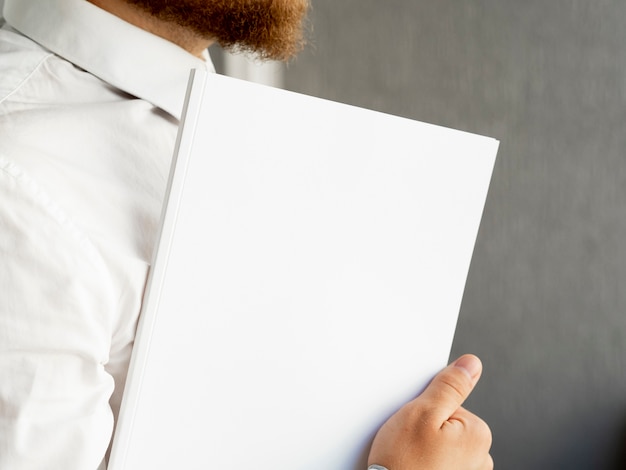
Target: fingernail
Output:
[(470, 364)]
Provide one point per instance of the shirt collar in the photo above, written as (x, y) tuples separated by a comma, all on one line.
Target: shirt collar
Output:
[(139, 63)]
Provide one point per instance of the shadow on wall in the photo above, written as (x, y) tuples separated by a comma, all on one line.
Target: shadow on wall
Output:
[(619, 460), (591, 442)]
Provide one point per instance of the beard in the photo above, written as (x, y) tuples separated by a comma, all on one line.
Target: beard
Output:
[(271, 29)]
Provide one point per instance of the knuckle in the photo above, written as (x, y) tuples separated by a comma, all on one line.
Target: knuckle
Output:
[(482, 433), (485, 432)]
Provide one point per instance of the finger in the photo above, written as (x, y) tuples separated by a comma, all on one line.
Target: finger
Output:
[(462, 416), (473, 430), (476, 430), (449, 389)]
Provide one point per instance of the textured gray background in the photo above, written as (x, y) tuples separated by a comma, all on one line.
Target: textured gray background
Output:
[(544, 305)]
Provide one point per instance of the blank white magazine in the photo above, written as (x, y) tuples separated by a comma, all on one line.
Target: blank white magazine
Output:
[(307, 280)]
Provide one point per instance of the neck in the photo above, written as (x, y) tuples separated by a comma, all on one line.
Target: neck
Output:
[(180, 36)]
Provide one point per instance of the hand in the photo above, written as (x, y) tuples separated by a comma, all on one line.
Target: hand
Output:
[(434, 432)]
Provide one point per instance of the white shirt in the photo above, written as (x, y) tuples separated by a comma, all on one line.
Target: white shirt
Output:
[(89, 108)]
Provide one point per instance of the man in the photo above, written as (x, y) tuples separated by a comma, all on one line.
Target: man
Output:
[(90, 97)]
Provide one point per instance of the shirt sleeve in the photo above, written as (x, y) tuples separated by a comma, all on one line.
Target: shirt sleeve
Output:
[(55, 334)]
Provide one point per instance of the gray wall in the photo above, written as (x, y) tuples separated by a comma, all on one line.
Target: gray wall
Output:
[(544, 305)]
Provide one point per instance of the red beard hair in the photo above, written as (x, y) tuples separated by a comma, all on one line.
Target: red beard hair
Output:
[(271, 29)]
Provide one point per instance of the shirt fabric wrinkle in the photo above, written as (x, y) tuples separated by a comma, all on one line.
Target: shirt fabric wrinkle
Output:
[(89, 109)]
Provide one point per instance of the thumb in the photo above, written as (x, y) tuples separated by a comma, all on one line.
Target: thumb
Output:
[(448, 390)]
